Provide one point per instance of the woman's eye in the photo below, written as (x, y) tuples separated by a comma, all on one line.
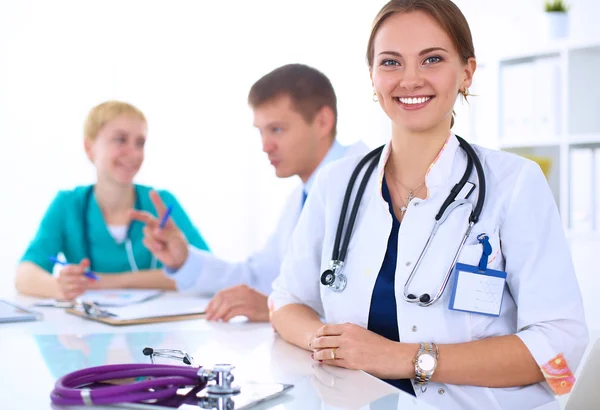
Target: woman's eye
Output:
[(432, 60), (389, 63)]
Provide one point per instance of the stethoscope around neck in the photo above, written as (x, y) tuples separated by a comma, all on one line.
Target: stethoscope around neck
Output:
[(337, 281), (128, 245)]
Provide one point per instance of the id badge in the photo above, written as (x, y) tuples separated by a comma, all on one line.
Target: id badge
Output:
[(477, 289)]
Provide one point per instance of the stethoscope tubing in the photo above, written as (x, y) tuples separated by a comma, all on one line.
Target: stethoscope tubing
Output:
[(339, 253), (128, 244), (354, 213), (481, 192), (166, 380), (373, 155)]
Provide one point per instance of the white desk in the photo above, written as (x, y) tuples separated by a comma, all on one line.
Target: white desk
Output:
[(35, 354)]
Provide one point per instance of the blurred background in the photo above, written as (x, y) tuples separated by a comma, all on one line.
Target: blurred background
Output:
[(189, 65)]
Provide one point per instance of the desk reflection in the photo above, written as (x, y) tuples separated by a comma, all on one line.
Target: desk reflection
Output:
[(257, 352)]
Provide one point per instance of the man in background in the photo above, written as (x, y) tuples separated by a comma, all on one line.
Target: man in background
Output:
[(295, 110)]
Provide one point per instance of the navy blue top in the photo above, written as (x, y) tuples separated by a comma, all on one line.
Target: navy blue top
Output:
[(383, 317)]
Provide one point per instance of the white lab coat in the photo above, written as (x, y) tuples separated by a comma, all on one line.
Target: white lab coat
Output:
[(204, 272), (542, 302)]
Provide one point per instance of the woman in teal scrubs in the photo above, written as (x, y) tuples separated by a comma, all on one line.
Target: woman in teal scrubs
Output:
[(91, 225)]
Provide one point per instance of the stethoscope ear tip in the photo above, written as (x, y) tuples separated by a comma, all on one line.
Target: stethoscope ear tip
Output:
[(425, 298)]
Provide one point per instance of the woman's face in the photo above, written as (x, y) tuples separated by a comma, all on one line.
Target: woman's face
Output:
[(417, 72), (118, 150)]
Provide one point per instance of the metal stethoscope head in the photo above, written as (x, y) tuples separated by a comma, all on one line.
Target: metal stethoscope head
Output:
[(332, 278)]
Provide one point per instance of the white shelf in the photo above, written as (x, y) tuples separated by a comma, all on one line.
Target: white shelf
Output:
[(584, 140), (543, 104), (573, 140), (554, 49), (515, 143)]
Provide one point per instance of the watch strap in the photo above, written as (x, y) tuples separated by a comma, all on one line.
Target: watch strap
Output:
[(422, 377)]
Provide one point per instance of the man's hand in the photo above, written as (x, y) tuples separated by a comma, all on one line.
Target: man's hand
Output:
[(240, 300), (168, 244)]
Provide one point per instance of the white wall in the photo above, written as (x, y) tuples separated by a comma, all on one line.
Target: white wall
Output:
[(188, 65)]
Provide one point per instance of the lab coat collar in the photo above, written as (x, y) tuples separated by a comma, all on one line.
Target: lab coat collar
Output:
[(439, 171), (336, 151)]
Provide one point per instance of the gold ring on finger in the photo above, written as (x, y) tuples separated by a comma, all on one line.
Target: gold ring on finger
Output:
[(333, 349)]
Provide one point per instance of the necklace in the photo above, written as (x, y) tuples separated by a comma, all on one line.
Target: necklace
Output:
[(411, 192)]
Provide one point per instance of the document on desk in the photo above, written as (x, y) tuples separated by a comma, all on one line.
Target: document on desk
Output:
[(9, 312), (161, 307), (119, 297), (107, 298)]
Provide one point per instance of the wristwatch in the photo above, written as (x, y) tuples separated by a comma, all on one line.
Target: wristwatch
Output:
[(425, 364)]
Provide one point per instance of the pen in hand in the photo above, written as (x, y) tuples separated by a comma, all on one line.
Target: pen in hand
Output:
[(165, 217), (88, 273)]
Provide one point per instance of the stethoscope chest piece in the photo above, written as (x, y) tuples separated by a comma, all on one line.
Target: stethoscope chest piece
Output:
[(221, 375), (333, 279)]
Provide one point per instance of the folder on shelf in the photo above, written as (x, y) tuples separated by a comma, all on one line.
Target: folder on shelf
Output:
[(517, 103), (546, 113), (152, 311), (545, 163)]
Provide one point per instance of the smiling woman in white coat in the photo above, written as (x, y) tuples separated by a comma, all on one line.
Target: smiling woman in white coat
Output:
[(498, 320)]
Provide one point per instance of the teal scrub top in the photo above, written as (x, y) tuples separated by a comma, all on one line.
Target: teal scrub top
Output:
[(62, 230)]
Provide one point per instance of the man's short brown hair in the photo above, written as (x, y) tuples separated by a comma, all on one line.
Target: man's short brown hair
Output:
[(309, 89)]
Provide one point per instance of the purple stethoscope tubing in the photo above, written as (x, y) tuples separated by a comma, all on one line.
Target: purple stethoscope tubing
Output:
[(70, 389)]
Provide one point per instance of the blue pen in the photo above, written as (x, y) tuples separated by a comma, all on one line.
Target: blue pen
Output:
[(87, 273), (165, 217)]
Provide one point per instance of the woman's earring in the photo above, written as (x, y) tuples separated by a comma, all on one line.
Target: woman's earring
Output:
[(465, 92), (375, 99)]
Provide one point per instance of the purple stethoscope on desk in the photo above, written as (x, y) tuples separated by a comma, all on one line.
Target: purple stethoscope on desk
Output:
[(154, 382)]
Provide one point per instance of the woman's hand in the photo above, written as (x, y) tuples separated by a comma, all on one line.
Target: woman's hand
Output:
[(167, 244), (358, 348), (72, 281)]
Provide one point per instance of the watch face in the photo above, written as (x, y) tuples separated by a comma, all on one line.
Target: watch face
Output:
[(426, 362)]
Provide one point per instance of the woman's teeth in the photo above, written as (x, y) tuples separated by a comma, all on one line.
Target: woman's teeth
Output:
[(413, 100)]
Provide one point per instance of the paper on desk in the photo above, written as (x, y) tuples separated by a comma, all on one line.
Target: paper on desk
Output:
[(161, 307), (118, 297)]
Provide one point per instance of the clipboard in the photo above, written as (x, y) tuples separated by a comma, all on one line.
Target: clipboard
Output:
[(153, 311), (10, 312)]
